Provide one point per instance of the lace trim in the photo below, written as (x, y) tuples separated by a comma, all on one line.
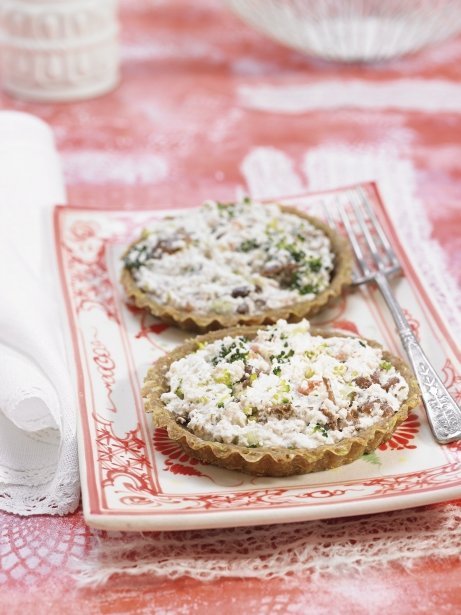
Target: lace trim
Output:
[(311, 549)]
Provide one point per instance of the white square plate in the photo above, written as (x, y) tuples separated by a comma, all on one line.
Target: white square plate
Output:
[(133, 479)]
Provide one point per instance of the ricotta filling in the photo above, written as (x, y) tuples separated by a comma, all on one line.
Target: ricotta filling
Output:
[(240, 258), (285, 388)]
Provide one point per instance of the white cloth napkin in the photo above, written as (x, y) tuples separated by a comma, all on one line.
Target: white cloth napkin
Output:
[(38, 444)]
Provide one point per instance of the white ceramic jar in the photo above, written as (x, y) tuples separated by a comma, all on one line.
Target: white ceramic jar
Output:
[(59, 50)]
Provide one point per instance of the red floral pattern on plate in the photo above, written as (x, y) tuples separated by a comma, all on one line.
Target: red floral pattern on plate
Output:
[(177, 461), (404, 435), (123, 456), (88, 274), (147, 324)]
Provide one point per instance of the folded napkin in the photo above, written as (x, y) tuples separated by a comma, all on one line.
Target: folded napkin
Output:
[(38, 445)]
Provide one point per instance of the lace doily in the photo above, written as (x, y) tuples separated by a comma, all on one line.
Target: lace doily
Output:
[(312, 548)]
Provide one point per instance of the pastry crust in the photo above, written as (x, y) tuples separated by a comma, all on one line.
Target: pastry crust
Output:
[(202, 322), (270, 461)]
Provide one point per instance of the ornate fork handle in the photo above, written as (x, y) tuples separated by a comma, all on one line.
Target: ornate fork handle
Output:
[(443, 413)]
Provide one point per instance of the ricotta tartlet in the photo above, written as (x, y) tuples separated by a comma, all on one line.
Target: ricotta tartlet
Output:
[(239, 263), (279, 400)]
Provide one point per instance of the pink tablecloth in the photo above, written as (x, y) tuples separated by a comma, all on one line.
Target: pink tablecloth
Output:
[(206, 105)]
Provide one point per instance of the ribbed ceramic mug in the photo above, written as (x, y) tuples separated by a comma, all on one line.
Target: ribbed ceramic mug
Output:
[(59, 50)]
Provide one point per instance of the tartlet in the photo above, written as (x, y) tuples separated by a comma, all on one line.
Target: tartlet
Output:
[(279, 400), (232, 264)]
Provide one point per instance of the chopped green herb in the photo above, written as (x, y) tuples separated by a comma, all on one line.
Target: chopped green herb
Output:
[(307, 289), (234, 352), (179, 392), (323, 429), (315, 264), (386, 365), (248, 245), (277, 370), (228, 208), (296, 254), (136, 257), (362, 344), (220, 404), (283, 357), (372, 458), (298, 284)]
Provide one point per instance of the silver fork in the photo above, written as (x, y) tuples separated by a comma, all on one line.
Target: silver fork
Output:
[(376, 261)]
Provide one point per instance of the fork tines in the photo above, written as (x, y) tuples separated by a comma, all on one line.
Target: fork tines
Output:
[(352, 213)]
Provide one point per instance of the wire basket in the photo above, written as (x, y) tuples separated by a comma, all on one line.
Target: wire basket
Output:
[(353, 30)]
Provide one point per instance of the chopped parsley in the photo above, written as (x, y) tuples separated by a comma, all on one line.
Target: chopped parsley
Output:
[(308, 289), (386, 365), (298, 284), (136, 257), (296, 254), (248, 245), (234, 352), (323, 429), (315, 264), (227, 208), (283, 356)]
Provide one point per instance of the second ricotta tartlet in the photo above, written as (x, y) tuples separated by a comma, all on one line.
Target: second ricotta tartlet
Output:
[(237, 263)]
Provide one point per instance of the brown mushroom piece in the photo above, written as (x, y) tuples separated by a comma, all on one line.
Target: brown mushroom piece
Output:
[(363, 382)]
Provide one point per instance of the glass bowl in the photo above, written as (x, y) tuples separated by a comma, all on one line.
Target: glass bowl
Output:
[(353, 30)]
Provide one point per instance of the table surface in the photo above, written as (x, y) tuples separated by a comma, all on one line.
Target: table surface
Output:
[(191, 120)]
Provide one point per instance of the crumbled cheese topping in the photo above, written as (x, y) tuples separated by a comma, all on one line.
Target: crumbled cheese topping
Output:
[(240, 258), (284, 388)]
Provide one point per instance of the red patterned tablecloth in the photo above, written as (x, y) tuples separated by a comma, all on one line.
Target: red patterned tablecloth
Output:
[(205, 106)]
